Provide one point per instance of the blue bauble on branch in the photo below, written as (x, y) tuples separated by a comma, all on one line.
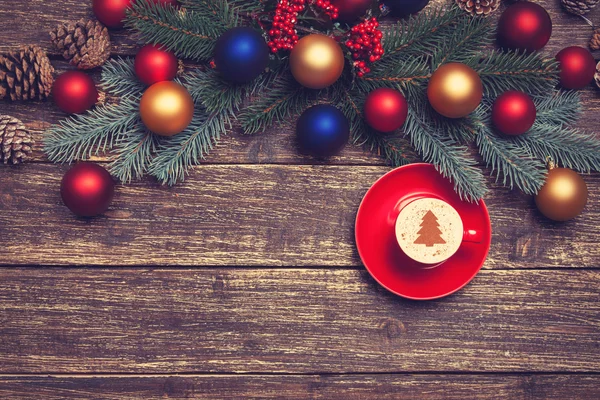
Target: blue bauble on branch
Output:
[(241, 55), (322, 131), (401, 8)]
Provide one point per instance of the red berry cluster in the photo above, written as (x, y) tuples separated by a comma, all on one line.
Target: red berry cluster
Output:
[(328, 8), (365, 44), (283, 35)]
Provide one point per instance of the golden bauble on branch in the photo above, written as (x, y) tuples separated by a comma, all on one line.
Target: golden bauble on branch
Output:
[(455, 90), (166, 108), (563, 196), (317, 61)]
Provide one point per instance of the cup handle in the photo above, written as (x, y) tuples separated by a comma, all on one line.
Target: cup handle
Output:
[(472, 236)]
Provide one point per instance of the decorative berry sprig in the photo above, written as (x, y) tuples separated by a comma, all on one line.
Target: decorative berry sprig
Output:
[(328, 8), (283, 34), (365, 44)]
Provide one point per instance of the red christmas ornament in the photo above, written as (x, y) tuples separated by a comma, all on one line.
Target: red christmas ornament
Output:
[(111, 12), (525, 26), (351, 10), (153, 64), (577, 67), (87, 189), (385, 109), (513, 113), (74, 92)]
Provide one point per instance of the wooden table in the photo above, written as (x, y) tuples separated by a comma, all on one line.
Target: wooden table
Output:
[(245, 281)]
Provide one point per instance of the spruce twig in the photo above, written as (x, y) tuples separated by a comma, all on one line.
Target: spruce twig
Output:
[(119, 79)]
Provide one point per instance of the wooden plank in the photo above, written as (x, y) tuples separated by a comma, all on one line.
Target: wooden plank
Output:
[(330, 387), (291, 321), (267, 215)]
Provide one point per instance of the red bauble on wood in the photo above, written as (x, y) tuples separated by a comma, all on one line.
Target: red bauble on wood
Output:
[(386, 109), (74, 92), (525, 26), (577, 67), (87, 189), (351, 10), (111, 12), (153, 64), (513, 113)]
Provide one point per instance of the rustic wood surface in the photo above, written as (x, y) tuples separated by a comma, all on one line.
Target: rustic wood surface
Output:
[(265, 296)]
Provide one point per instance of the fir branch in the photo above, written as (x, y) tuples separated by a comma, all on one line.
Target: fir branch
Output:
[(175, 155), (135, 149), (502, 71), (450, 159), (118, 77), (284, 98), (214, 93), (227, 11), (567, 147), (510, 163), (558, 109), (82, 136), (187, 33), (467, 38), (396, 76)]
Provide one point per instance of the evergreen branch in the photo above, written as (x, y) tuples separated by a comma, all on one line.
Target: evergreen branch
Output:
[(567, 147), (227, 11), (175, 155), (509, 162), (419, 34), (118, 77), (502, 71), (134, 153), (559, 109), (213, 92), (467, 38), (82, 136), (396, 76), (187, 33), (449, 158), (285, 97)]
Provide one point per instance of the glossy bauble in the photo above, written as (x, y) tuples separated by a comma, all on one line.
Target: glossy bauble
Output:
[(513, 113), (154, 64), (322, 131), (111, 12), (524, 26), (401, 8), (385, 110), (241, 55), (577, 67), (455, 90), (74, 92), (317, 61), (351, 10), (87, 189), (166, 108), (563, 196)]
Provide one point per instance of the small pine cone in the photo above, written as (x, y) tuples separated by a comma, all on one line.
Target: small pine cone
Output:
[(597, 75), (595, 40), (26, 74), (579, 7), (478, 7), (86, 44), (15, 140)]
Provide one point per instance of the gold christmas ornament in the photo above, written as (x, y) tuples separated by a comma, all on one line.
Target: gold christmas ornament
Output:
[(317, 61), (166, 108), (563, 196), (455, 90)]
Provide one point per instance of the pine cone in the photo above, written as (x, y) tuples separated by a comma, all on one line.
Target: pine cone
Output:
[(597, 75), (579, 7), (595, 40), (86, 44), (26, 74), (479, 7), (15, 140)]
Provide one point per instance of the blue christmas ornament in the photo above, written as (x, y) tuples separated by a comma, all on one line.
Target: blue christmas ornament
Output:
[(241, 55), (322, 131)]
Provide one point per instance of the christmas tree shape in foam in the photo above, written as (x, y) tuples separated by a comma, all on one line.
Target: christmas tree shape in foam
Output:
[(430, 233)]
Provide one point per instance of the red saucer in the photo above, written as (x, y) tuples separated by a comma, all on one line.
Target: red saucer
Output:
[(380, 252)]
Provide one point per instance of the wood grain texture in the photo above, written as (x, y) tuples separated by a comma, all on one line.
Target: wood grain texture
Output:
[(262, 215), (291, 321), (304, 387)]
